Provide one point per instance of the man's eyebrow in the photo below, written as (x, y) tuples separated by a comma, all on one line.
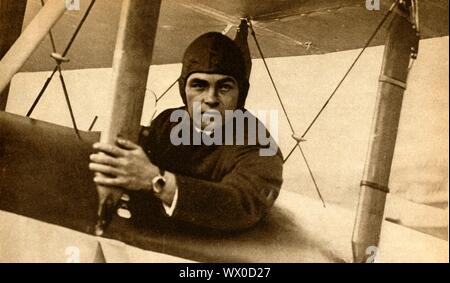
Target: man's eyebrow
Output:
[(197, 80), (227, 80)]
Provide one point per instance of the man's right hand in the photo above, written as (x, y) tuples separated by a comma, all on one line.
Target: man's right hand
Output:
[(123, 165)]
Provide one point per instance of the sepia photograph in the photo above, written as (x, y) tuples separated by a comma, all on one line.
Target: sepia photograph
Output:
[(224, 131)]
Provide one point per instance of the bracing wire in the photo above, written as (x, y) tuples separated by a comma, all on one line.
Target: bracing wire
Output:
[(63, 84), (379, 26), (285, 111), (167, 90), (297, 144), (66, 50)]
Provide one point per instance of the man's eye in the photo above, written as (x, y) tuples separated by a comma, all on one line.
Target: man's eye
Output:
[(225, 88), (198, 85)]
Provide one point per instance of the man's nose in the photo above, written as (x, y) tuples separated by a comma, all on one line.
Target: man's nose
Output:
[(212, 99)]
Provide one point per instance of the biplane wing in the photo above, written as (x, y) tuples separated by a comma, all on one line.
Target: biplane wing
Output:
[(45, 177), (285, 28), (44, 180)]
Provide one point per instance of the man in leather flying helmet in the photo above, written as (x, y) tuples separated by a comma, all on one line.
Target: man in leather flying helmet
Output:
[(222, 187)]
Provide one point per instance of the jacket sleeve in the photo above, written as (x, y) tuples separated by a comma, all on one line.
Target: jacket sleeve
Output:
[(236, 202)]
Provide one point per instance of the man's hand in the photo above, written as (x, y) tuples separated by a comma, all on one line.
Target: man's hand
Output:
[(123, 165)]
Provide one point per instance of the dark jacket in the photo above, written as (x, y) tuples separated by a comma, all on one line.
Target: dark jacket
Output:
[(223, 187)]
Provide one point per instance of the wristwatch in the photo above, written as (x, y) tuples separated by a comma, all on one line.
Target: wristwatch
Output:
[(158, 183)]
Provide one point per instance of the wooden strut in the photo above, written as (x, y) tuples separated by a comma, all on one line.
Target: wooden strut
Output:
[(131, 63), (29, 40), (401, 45)]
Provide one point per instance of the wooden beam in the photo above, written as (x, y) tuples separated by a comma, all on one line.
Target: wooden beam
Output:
[(29, 40), (12, 13), (401, 40), (132, 58)]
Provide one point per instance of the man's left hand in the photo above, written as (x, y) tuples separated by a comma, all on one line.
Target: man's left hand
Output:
[(123, 165)]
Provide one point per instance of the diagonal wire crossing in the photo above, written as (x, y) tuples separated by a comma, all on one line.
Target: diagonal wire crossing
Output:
[(58, 68), (301, 138)]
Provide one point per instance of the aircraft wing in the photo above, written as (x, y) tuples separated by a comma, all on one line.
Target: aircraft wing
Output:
[(283, 27)]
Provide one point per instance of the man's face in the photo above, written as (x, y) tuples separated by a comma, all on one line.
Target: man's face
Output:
[(215, 93)]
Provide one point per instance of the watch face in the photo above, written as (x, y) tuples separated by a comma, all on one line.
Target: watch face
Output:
[(158, 184), (161, 182)]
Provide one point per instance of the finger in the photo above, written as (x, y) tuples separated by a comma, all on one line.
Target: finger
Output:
[(127, 144), (106, 181), (104, 159), (110, 149), (105, 169)]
